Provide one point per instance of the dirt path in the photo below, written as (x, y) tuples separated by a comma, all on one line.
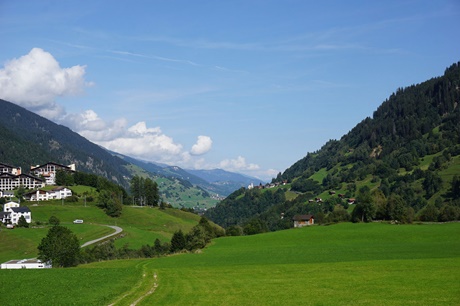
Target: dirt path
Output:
[(152, 290), (145, 281), (117, 231)]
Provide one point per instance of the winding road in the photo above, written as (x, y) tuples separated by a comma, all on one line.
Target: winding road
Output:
[(117, 231)]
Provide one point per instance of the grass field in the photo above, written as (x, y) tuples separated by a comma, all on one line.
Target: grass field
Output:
[(141, 225), (343, 264)]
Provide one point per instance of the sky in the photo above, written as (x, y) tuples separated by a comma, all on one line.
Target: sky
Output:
[(248, 86)]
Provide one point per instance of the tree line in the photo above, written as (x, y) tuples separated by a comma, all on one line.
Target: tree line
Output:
[(61, 247)]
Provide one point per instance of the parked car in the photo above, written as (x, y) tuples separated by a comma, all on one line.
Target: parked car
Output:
[(78, 221), (9, 226)]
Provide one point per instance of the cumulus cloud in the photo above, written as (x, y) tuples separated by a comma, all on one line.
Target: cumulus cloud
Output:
[(36, 79), (203, 145), (91, 126), (137, 140), (237, 164)]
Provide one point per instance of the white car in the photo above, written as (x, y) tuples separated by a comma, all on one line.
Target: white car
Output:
[(78, 221)]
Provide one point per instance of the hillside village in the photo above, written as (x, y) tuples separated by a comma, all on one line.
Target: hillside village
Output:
[(12, 178)]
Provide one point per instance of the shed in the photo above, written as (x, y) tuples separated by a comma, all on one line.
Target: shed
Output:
[(31, 263), (303, 220)]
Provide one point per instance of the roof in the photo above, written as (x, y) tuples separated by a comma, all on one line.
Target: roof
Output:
[(23, 209), (59, 188), (12, 202), (25, 261), (50, 163), (31, 176), (4, 214), (7, 166), (40, 191), (302, 217), (7, 174)]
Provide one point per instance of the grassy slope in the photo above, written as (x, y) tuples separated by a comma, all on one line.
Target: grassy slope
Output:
[(362, 264), (140, 225), (183, 197)]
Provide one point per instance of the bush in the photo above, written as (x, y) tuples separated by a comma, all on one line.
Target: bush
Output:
[(53, 220)]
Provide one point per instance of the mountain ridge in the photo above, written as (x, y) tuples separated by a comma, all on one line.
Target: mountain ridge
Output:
[(28, 139), (402, 164)]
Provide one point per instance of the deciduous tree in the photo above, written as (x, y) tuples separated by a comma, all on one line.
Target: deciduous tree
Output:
[(60, 247)]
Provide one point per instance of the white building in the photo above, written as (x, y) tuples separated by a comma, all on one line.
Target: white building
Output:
[(48, 171), (7, 206), (32, 263), (12, 212), (9, 181), (57, 193), (4, 168), (18, 212), (6, 193)]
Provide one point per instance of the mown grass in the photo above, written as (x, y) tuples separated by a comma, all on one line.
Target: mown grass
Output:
[(141, 225), (343, 264), (22, 243), (96, 286)]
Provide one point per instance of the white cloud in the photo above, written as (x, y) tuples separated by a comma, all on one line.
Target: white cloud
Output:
[(91, 126), (203, 145), (137, 140), (237, 164), (36, 79)]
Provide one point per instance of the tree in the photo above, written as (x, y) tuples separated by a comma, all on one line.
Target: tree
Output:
[(395, 208), (53, 220), (380, 202), (136, 186), (20, 191), (64, 178), (429, 213), (365, 209), (431, 184), (22, 222), (234, 230), (255, 226), (110, 202), (339, 214), (456, 187), (60, 247), (448, 213), (151, 192), (178, 242)]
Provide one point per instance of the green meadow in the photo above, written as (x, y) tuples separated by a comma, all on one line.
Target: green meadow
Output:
[(342, 264), (141, 226)]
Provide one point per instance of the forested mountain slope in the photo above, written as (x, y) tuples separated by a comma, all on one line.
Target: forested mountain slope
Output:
[(397, 165), (27, 139)]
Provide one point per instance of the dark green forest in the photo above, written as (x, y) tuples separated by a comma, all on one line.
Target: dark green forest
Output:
[(27, 139), (401, 165)]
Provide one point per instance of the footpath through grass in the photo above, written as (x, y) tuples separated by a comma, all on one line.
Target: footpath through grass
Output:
[(141, 226), (361, 264), (343, 264)]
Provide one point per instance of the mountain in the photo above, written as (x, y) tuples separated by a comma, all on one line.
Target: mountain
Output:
[(401, 164), (217, 181), (227, 181), (28, 139)]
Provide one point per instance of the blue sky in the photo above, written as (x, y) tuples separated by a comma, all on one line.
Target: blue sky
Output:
[(248, 86)]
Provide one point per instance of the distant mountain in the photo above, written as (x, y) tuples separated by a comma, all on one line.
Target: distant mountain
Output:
[(215, 181), (229, 180), (402, 164)]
